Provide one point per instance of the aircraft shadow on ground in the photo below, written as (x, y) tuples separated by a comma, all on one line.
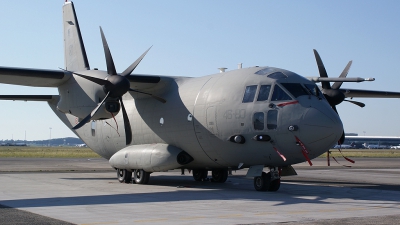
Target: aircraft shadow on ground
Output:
[(236, 188)]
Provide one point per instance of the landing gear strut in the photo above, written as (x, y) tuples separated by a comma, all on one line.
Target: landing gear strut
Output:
[(124, 176), (270, 181), (141, 177)]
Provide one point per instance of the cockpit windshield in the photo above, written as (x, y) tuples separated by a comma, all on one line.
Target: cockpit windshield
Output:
[(295, 89), (279, 94), (313, 89)]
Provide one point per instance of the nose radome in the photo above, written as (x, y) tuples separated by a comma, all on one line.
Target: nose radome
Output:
[(320, 130)]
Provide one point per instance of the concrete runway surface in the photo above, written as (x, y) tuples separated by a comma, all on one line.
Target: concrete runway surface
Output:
[(86, 191)]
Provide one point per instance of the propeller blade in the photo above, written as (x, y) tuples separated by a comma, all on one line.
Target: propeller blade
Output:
[(337, 85), (94, 79), (109, 60), (134, 64), (127, 125), (322, 70), (90, 116), (154, 96), (356, 103)]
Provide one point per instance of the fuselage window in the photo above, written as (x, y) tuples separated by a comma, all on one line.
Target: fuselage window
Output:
[(263, 94), (249, 93), (272, 119), (279, 94), (258, 121), (295, 89)]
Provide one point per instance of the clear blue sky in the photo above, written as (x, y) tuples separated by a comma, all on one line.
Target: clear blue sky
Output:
[(194, 38)]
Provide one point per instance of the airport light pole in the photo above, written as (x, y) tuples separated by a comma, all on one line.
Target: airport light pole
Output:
[(50, 137)]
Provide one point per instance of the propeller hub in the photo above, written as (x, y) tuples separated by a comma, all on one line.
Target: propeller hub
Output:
[(333, 96), (117, 86)]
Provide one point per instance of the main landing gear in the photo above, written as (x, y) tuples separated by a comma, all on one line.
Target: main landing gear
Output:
[(218, 175), (139, 176), (270, 181)]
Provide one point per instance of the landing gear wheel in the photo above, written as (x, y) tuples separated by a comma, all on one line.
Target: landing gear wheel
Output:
[(124, 176), (200, 174), (261, 182), (141, 177), (264, 183), (219, 175), (275, 185)]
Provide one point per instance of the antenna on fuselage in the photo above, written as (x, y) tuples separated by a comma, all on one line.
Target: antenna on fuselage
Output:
[(222, 69)]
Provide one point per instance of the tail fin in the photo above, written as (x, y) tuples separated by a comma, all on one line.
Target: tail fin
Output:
[(74, 49)]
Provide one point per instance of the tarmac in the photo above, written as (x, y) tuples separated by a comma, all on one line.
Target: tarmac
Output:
[(86, 191)]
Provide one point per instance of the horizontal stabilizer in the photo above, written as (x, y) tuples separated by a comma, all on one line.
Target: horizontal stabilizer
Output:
[(33, 77)]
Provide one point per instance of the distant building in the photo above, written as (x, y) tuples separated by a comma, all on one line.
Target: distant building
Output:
[(372, 141)]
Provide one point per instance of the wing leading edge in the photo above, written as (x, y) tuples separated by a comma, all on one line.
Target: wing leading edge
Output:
[(43, 98), (352, 93), (33, 77)]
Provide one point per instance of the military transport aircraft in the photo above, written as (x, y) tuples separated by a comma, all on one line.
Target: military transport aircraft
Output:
[(255, 118)]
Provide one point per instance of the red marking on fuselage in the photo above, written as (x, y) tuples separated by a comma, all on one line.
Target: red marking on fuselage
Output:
[(287, 103)]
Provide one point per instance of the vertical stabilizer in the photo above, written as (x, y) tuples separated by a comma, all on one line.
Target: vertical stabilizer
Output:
[(74, 49)]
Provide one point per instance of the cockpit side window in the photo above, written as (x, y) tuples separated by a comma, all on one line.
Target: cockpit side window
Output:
[(249, 93), (258, 121), (272, 119), (263, 94), (314, 90), (295, 89), (279, 94)]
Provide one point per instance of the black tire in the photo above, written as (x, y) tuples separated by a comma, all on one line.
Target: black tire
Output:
[(124, 176), (200, 174), (141, 177), (261, 183), (275, 185), (219, 175)]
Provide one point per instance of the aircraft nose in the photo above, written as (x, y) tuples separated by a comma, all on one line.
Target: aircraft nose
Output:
[(322, 129)]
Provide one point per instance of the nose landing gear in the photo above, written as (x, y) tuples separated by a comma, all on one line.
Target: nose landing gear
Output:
[(270, 181)]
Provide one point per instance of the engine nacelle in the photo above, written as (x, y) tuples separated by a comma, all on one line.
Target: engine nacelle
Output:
[(79, 97), (150, 157)]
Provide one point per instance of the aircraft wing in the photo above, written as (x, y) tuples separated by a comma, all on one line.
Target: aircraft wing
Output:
[(141, 82), (33, 77), (46, 98), (350, 93)]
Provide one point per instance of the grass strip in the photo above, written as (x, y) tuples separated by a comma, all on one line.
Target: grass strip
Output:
[(46, 152), (365, 153)]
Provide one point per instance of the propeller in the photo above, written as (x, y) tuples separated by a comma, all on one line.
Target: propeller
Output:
[(115, 86), (332, 93)]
